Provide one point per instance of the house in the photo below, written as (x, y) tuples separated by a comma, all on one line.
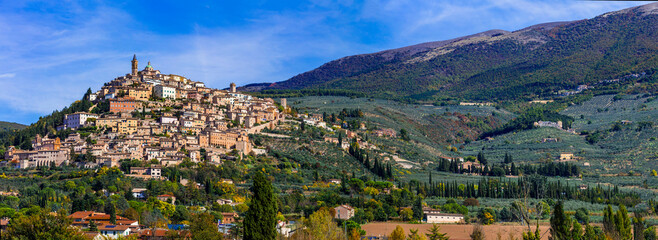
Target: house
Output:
[(428, 210), (78, 119), (566, 156), (344, 212), (222, 201), (444, 218), (114, 231), (167, 198), (139, 193), (229, 218), (4, 222)]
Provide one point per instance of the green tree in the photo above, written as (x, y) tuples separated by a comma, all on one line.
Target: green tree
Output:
[(560, 223), (508, 158), (418, 209), (260, 219), (203, 226), (92, 226), (481, 158), (413, 235), (435, 234), (650, 233), (582, 216), (404, 134), (638, 226), (623, 223), (532, 235), (406, 214), (397, 234), (42, 225)]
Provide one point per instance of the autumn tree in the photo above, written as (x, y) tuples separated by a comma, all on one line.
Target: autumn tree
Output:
[(321, 226), (397, 234)]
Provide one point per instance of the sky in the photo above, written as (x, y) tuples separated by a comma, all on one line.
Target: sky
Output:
[(52, 51)]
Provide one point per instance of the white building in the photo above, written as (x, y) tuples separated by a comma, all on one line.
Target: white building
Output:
[(162, 91), (444, 218), (78, 119), (114, 231)]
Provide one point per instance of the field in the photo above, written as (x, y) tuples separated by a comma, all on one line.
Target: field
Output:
[(454, 231)]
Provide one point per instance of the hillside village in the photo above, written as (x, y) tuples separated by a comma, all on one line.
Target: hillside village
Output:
[(154, 116)]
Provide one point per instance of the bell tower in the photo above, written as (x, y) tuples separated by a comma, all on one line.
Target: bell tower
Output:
[(134, 68)]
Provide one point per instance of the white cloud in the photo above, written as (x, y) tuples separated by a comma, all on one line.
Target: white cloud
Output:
[(7, 75), (429, 20)]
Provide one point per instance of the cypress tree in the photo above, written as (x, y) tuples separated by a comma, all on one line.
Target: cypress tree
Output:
[(560, 224), (418, 209), (260, 220)]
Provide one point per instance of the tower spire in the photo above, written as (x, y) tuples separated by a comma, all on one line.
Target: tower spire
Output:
[(134, 65)]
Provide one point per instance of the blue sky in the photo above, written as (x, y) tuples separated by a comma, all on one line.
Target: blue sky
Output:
[(52, 51)]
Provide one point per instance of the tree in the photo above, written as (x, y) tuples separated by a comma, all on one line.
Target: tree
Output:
[(397, 234), (43, 225), (582, 216), (532, 235), (92, 226), (260, 220), (477, 233), (418, 209), (609, 222), (203, 226), (638, 226), (404, 134), (623, 223), (560, 223), (650, 233), (435, 234), (321, 226), (406, 214), (481, 158), (413, 235), (508, 158)]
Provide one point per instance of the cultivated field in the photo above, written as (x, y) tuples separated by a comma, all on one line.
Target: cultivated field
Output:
[(455, 231)]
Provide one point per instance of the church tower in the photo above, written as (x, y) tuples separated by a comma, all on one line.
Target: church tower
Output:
[(134, 69)]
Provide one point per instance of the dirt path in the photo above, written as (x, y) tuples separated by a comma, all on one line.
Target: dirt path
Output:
[(455, 231)]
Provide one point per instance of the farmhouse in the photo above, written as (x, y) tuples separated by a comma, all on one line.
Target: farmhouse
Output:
[(444, 218), (344, 212), (566, 156)]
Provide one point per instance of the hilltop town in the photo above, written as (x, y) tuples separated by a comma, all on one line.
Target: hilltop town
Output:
[(147, 115)]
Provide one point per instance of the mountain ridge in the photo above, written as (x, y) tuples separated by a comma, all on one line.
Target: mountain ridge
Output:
[(535, 61)]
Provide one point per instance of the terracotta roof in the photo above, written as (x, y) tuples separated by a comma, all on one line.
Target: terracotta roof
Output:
[(159, 232), (113, 228), (82, 214)]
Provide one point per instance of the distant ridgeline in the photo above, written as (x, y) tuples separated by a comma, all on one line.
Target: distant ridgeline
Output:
[(606, 54), (44, 126)]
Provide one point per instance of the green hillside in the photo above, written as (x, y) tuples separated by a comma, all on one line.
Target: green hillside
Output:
[(613, 134), (8, 126), (537, 61)]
